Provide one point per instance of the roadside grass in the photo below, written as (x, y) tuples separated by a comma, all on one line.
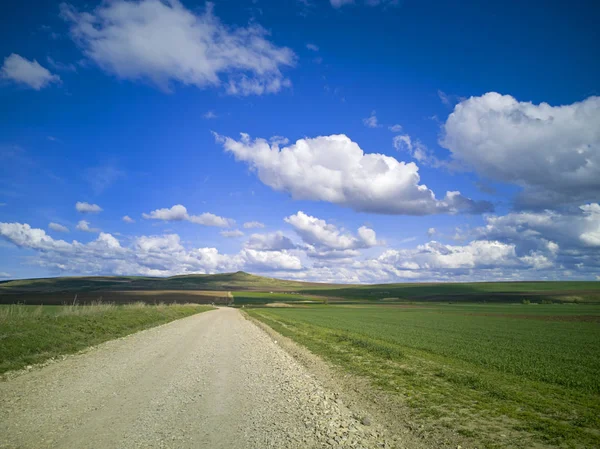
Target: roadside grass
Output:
[(34, 334), (497, 377)]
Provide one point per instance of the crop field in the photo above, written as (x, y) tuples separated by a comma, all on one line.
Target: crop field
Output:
[(249, 298), (118, 297), (502, 375), (465, 292), (34, 334)]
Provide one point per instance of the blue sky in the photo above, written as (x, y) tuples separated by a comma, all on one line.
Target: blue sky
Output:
[(358, 119)]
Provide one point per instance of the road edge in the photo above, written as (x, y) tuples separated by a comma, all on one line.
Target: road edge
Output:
[(359, 395)]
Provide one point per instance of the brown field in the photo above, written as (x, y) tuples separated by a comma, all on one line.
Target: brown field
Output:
[(119, 297)]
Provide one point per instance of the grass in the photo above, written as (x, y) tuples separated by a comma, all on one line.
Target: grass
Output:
[(33, 334), (528, 372)]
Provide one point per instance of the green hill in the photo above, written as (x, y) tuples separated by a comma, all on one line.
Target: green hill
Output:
[(219, 282)]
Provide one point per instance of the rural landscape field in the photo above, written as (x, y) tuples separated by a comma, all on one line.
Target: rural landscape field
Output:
[(299, 224), (478, 365)]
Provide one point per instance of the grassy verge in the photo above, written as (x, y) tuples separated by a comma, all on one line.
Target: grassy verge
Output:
[(33, 334), (510, 376)]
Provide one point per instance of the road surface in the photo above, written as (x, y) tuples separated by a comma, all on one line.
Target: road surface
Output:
[(213, 380)]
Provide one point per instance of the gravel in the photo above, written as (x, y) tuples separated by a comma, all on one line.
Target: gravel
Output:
[(213, 380)]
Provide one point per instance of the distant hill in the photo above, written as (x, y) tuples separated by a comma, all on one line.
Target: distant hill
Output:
[(219, 282), (131, 288)]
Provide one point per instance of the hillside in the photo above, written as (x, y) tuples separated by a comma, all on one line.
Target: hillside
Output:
[(217, 282)]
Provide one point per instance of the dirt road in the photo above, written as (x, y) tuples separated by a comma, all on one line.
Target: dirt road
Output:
[(213, 380)]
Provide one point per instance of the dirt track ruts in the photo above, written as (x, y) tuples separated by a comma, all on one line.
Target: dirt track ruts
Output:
[(213, 380)]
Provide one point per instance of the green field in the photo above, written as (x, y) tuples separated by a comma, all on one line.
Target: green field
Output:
[(501, 375), (250, 298), (466, 292), (33, 334)]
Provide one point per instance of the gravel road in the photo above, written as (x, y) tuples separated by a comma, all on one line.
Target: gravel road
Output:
[(213, 380)]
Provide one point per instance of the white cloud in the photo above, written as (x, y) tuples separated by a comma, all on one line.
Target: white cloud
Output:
[(232, 234), (128, 219), (85, 227), (175, 213), (517, 246), (86, 208), (180, 213), (270, 260), (553, 152), (274, 241), (321, 234), (435, 256), (253, 224), (147, 255), (208, 219), (395, 128), (209, 115), (164, 43), (312, 47), (416, 149), (371, 121), (431, 232), (31, 73), (577, 229), (5, 275), (57, 227), (335, 169)]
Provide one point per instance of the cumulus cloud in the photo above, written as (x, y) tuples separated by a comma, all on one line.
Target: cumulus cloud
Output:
[(57, 227), (164, 43), (85, 227), (232, 234), (516, 246), (180, 213), (312, 47), (147, 255), (321, 234), (371, 121), (335, 169), (395, 128), (128, 219), (274, 241), (253, 224), (87, 208), (434, 256), (578, 229), (553, 152), (30, 73)]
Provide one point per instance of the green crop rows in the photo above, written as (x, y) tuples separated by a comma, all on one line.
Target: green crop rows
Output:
[(529, 372)]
